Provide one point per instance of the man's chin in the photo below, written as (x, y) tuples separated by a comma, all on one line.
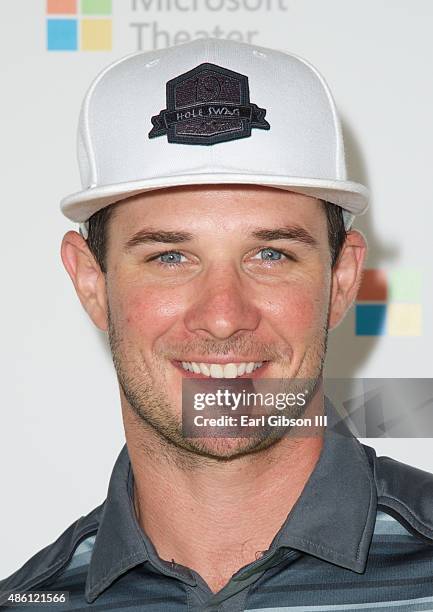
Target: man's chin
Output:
[(225, 449)]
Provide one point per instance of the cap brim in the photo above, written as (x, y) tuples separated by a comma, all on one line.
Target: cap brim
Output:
[(351, 196)]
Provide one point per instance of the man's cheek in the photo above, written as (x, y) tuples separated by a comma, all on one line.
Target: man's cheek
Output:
[(151, 309), (300, 310)]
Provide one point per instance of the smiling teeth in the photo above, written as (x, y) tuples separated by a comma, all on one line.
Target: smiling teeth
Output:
[(219, 370)]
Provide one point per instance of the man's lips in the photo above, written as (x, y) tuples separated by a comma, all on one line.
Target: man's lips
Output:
[(221, 369)]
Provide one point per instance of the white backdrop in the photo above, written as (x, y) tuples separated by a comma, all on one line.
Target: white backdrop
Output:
[(60, 415)]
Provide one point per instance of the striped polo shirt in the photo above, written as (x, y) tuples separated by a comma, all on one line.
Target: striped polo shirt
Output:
[(360, 537)]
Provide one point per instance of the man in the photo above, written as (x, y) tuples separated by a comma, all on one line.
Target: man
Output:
[(215, 244)]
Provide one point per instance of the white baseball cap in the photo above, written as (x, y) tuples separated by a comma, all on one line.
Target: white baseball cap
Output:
[(210, 111)]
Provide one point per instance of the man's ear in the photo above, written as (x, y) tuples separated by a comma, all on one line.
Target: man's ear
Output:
[(346, 276), (87, 276)]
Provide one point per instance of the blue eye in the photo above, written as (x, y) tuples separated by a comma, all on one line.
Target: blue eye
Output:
[(171, 257), (270, 254)]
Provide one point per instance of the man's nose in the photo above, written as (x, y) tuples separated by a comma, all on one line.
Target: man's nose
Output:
[(223, 305)]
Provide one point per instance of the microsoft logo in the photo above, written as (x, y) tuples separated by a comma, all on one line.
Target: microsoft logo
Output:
[(73, 28), (389, 303)]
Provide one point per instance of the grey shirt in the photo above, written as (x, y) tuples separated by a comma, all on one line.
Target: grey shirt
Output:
[(360, 536)]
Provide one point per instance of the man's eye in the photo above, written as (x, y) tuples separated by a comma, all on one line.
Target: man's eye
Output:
[(170, 257), (269, 255)]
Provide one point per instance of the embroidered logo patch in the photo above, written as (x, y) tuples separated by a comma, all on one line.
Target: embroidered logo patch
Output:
[(206, 105)]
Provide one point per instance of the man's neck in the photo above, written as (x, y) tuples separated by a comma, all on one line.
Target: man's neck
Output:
[(218, 516)]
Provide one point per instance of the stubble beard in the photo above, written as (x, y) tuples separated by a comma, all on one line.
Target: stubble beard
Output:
[(156, 415)]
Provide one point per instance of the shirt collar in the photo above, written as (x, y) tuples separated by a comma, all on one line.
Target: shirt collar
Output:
[(335, 515), (120, 542), (333, 519)]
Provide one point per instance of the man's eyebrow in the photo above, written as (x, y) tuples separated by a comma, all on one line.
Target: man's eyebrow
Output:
[(296, 233), (147, 236)]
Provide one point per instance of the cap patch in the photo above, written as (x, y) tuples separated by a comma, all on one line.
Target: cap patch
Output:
[(206, 105)]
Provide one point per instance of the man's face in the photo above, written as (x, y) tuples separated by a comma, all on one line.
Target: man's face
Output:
[(202, 277)]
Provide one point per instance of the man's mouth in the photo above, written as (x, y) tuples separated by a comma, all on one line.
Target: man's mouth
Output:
[(221, 370)]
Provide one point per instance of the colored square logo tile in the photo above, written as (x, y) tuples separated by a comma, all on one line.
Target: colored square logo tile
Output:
[(404, 320), (61, 7), (405, 285), (370, 319), (62, 34), (373, 287), (96, 7), (96, 34)]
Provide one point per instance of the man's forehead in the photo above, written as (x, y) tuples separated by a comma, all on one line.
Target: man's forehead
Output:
[(245, 207)]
